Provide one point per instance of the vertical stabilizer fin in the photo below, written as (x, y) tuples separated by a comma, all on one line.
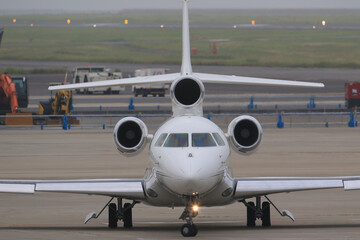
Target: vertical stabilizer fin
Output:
[(186, 68)]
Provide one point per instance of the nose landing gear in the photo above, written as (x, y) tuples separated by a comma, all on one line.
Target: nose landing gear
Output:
[(189, 230), (191, 210)]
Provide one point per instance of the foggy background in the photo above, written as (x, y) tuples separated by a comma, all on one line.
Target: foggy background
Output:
[(34, 6)]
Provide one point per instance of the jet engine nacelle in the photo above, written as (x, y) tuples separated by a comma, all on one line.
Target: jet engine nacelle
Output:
[(130, 136), (245, 134), (187, 92), (187, 95)]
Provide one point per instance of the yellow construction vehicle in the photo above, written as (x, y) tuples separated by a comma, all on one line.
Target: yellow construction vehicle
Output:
[(61, 104)]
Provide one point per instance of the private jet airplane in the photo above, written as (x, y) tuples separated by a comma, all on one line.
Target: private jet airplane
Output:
[(189, 155)]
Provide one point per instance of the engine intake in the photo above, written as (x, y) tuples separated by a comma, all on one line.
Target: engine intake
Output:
[(187, 92), (130, 135), (245, 134)]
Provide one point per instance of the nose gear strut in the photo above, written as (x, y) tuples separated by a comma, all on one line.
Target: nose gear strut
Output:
[(189, 229)]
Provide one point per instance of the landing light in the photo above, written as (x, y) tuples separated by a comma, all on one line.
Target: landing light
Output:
[(68, 21), (323, 23), (14, 20), (162, 26), (195, 208)]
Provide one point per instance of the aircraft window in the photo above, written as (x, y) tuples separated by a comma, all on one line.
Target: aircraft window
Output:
[(202, 140), (19, 86), (97, 70), (218, 139), (161, 140), (177, 140)]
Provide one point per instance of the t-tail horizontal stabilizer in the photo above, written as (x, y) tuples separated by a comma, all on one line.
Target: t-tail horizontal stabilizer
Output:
[(225, 79)]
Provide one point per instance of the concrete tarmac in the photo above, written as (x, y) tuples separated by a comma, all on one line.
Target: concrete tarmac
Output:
[(76, 154)]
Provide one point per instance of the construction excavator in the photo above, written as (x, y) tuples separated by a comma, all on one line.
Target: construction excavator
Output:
[(10, 92), (14, 95), (58, 106), (8, 95), (61, 104)]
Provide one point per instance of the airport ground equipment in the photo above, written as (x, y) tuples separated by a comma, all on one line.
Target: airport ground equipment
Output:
[(13, 95), (8, 94), (95, 74), (60, 104), (21, 86), (154, 89), (352, 94)]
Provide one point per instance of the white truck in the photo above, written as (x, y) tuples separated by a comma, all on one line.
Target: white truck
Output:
[(150, 89), (94, 74)]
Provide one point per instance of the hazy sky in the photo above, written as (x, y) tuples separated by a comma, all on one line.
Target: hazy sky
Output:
[(116, 5)]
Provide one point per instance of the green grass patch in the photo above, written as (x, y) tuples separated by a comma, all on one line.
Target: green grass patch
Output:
[(245, 47)]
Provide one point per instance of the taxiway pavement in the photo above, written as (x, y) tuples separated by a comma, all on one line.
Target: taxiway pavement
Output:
[(56, 154)]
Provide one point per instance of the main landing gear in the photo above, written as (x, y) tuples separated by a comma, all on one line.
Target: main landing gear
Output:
[(116, 213), (191, 210), (261, 211), (120, 213)]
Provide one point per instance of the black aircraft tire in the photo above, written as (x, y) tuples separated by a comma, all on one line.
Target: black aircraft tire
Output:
[(128, 216), (112, 216), (189, 230), (251, 218), (266, 214)]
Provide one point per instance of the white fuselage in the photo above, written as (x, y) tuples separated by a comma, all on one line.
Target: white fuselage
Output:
[(189, 157)]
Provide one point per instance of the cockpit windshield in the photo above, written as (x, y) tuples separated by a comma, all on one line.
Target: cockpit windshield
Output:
[(161, 140), (218, 139), (182, 139), (177, 140), (203, 140)]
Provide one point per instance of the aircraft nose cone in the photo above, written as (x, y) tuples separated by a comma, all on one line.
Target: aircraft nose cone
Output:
[(191, 173), (196, 181)]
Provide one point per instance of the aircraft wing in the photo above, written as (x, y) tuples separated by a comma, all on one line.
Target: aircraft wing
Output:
[(252, 187), (125, 188), (216, 78), (165, 78)]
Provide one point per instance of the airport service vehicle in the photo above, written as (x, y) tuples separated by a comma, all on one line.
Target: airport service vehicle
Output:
[(61, 104), (150, 89), (352, 94), (95, 74), (189, 155)]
